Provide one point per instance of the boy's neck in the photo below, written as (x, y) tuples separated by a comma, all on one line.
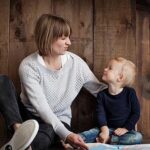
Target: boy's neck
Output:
[(114, 90)]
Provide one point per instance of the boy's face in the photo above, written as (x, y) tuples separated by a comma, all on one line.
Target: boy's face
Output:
[(112, 72)]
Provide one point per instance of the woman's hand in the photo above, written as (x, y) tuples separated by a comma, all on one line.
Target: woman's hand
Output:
[(120, 131), (76, 141)]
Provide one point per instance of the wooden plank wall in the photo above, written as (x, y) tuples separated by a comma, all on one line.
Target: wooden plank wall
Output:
[(143, 58), (102, 29), (114, 32)]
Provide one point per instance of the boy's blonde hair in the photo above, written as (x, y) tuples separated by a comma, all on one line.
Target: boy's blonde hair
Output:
[(128, 71), (47, 30)]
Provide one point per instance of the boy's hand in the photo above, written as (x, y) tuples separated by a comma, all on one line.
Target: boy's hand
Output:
[(120, 131), (103, 137)]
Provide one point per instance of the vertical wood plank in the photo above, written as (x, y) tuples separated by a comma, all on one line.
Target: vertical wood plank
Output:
[(143, 55), (4, 35), (24, 14), (114, 32), (80, 15)]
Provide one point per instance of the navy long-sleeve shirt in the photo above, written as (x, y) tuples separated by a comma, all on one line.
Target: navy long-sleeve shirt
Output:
[(118, 111)]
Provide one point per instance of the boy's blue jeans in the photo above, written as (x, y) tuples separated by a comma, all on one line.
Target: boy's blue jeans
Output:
[(131, 137)]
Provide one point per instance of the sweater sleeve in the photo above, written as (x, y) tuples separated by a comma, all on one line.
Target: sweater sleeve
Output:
[(30, 79), (100, 111), (91, 83), (135, 111)]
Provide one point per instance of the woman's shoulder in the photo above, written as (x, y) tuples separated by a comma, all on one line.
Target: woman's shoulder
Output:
[(29, 62), (30, 58)]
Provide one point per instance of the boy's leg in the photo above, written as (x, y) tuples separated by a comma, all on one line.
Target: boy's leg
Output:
[(90, 135), (8, 102), (129, 138)]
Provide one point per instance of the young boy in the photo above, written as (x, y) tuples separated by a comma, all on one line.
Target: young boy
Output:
[(117, 106)]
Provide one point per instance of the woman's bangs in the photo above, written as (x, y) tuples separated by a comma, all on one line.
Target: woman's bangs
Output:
[(66, 30)]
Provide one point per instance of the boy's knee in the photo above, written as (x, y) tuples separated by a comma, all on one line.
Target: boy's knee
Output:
[(135, 138), (138, 138)]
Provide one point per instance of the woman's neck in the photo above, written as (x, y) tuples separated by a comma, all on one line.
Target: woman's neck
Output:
[(53, 62), (114, 89)]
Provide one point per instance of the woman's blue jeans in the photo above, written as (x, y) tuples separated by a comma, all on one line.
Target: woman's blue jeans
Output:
[(131, 137)]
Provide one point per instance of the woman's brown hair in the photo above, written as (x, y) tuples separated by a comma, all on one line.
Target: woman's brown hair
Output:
[(47, 30)]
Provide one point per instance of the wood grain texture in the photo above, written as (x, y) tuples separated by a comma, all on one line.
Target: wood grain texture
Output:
[(4, 35), (143, 57), (80, 15), (102, 29), (23, 17), (114, 32)]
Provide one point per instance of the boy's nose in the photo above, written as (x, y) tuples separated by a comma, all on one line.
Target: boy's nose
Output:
[(105, 69)]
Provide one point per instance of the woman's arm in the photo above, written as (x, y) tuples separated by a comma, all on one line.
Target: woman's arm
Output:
[(30, 82), (91, 83)]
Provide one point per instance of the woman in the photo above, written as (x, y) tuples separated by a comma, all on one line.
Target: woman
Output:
[(51, 78)]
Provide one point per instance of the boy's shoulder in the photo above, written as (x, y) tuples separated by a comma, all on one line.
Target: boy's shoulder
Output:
[(129, 89), (104, 91)]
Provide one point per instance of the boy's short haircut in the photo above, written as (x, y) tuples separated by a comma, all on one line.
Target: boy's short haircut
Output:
[(128, 70)]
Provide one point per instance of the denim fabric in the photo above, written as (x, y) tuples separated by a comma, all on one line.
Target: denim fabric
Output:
[(14, 111), (131, 137), (90, 135)]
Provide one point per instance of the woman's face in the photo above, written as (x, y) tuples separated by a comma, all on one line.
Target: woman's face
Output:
[(60, 46)]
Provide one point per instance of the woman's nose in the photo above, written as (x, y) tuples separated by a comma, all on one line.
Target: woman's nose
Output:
[(68, 42)]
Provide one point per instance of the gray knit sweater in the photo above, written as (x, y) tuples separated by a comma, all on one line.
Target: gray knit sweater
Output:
[(49, 94)]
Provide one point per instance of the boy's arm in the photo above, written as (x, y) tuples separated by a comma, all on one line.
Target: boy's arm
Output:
[(100, 111), (102, 120), (104, 135), (135, 111), (120, 131)]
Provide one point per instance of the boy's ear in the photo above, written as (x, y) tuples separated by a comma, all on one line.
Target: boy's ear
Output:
[(120, 77)]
